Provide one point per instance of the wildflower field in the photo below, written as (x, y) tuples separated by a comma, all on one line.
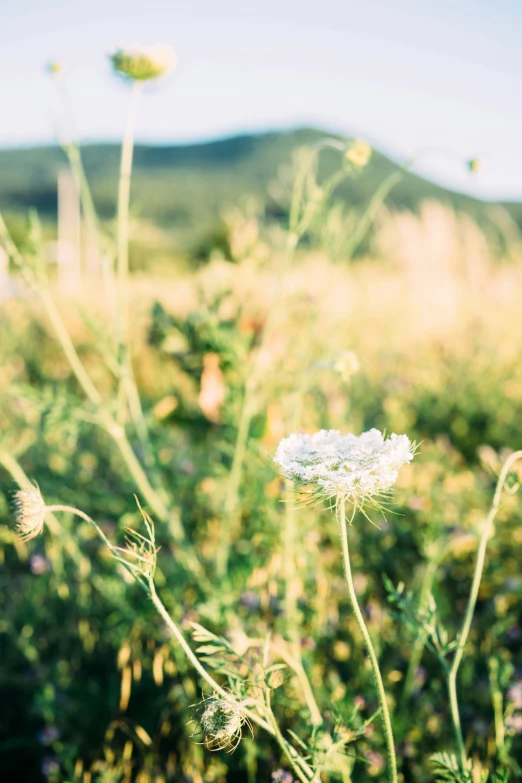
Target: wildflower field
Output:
[(187, 595)]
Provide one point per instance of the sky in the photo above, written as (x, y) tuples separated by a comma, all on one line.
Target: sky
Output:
[(437, 81)]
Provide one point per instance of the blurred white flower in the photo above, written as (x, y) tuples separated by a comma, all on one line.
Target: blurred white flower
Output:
[(350, 467), (141, 64)]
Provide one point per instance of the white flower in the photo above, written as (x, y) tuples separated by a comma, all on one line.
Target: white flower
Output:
[(355, 468), (29, 511), (141, 64)]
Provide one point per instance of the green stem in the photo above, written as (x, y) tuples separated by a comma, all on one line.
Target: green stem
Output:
[(116, 431), (298, 225), (127, 151), (77, 512), (271, 726), (392, 763), (371, 210), (248, 407), (472, 602), (419, 641), (284, 747), (498, 710)]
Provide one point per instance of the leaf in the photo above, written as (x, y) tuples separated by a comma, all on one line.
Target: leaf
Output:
[(447, 769), (209, 649)]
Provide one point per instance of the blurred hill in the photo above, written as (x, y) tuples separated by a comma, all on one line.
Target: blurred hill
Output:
[(185, 188)]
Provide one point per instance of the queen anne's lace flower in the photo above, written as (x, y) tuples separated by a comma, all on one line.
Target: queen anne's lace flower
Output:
[(355, 468), (141, 64)]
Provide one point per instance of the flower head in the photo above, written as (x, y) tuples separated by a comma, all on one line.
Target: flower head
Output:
[(358, 153), (29, 512), (54, 67), (222, 721), (141, 64), (354, 468), (282, 776)]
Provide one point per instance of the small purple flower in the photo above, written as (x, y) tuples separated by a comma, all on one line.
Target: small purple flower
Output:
[(39, 564), (48, 735), (359, 702), (308, 643), (49, 766), (376, 762), (250, 600), (514, 695), (514, 723), (420, 677), (282, 776)]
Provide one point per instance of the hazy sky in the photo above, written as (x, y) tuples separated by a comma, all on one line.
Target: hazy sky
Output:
[(405, 74)]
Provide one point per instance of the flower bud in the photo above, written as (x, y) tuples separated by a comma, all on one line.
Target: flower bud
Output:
[(358, 153)]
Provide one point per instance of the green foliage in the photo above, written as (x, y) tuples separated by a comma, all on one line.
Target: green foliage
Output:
[(188, 188)]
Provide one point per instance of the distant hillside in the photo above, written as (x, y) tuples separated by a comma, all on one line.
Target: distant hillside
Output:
[(186, 187)]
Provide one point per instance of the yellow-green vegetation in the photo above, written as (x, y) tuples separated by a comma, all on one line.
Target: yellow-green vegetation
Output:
[(172, 598)]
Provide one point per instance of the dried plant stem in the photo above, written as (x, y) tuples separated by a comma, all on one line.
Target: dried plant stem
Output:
[(472, 601), (392, 763)]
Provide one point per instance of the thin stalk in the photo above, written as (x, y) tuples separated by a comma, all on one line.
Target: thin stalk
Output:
[(71, 149), (72, 152), (370, 212), (283, 745), (295, 663), (79, 513), (392, 762), (472, 602), (150, 495), (127, 151), (271, 726), (298, 225), (498, 707), (248, 408), (419, 641), (117, 432), (151, 590)]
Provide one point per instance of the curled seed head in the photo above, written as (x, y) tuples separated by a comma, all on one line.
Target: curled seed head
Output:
[(222, 721), (29, 511)]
